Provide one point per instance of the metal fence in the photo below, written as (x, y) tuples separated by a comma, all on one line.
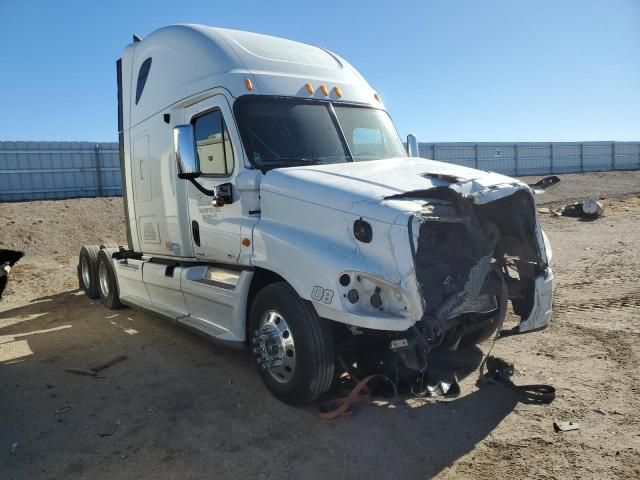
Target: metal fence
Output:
[(45, 170), (537, 158)]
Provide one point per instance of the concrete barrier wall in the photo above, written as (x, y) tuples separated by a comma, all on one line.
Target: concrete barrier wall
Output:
[(47, 170), (537, 158)]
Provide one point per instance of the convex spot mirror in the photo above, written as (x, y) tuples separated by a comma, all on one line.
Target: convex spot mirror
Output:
[(185, 150), (412, 146)]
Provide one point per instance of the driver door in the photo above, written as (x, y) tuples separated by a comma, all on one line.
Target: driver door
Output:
[(215, 230)]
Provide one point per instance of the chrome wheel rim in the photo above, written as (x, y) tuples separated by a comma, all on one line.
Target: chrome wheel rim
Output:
[(104, 279), (275, 347), (86, 273)]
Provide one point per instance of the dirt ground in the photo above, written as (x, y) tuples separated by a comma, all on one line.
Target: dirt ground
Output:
[(180, 407)]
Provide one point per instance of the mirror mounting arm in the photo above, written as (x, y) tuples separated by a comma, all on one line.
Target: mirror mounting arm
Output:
[(206, 191), (222, 194), (189, 168)]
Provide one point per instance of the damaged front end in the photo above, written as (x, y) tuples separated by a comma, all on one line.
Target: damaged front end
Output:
[(473, 255), (470, 260)]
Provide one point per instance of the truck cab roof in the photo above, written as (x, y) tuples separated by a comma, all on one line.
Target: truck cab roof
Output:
[(176, 62)]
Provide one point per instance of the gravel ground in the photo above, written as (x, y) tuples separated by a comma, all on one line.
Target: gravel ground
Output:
[(51, 233), (179, 407)]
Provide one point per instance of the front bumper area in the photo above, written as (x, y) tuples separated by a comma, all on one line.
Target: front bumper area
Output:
[(540, 314)]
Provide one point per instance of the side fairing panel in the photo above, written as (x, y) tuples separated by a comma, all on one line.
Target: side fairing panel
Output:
[(130, 283), (124, 139), (141, 163), (132, 229), (161, 214), (158, 217), (164, 290)]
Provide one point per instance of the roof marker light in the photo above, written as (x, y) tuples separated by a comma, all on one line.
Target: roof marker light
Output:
[(309, 88), (377, 97), (248, 84), (324, 90), (338, 92)]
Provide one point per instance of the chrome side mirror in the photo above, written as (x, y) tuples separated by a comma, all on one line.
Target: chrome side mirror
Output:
[(185, 151), (412, 145)]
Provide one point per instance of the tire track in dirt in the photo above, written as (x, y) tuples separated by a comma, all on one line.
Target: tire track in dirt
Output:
[(628, 302), (620, 344)]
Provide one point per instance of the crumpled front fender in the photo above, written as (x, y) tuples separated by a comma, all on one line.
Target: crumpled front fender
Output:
[(542, 303)]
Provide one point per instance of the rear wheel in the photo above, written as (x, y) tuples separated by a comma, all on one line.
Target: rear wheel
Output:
[(107, 285), (293, 346), (87, 270)]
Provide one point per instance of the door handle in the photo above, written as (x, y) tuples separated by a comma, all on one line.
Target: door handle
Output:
[(195, 230)]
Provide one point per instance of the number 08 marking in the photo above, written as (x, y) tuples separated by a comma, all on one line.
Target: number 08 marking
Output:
[(321, 295)]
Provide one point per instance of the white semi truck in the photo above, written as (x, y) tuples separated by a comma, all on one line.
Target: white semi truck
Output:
[(270, 203)]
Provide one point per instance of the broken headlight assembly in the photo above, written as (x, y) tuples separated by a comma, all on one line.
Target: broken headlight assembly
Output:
[(366, 294)]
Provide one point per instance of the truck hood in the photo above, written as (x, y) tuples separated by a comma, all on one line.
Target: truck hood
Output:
[(397, 185)]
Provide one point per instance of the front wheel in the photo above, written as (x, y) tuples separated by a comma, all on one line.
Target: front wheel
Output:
[(481, 332), (293, 346)]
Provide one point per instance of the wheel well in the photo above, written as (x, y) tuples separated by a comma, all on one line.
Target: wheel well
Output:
[(261, 278)]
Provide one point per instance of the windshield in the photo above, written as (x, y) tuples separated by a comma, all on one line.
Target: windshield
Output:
[(286, 132)]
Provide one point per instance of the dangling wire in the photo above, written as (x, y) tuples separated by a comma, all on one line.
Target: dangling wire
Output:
[(502, 313)]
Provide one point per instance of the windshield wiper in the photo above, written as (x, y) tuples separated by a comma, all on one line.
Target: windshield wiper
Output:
[(300, 162), (291, 162)]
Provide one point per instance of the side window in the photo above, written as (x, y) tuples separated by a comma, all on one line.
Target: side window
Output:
[(142, 78), (213, 144)]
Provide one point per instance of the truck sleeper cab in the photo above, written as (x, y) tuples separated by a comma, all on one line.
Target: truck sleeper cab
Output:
[(270, 203)]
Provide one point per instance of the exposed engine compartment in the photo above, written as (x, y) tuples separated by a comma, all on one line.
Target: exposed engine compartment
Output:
[(470, 261)]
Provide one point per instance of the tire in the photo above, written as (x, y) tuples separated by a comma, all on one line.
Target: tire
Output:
[(310, 339), (106, 284), (484, 330), (87, 270)]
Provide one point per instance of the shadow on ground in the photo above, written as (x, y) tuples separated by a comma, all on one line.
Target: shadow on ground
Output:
[(180, 407)]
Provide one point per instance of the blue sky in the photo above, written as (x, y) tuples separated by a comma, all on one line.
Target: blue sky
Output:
[(449, 70)]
